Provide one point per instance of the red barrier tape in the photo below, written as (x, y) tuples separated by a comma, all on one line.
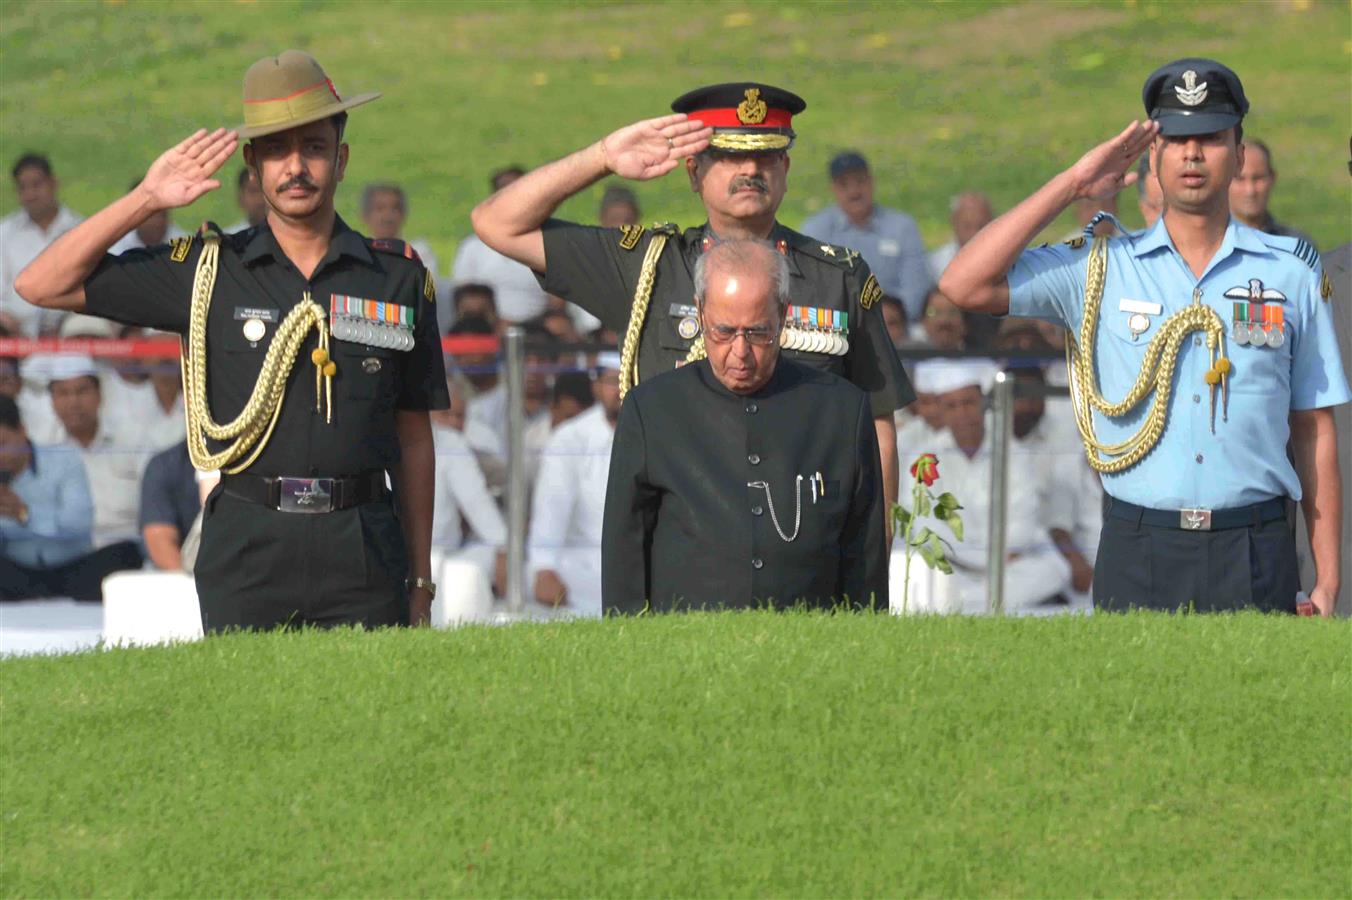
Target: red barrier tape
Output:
[(156, 348)]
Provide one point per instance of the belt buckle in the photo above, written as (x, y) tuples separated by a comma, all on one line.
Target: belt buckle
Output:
[(306, 495), (1194, 519)]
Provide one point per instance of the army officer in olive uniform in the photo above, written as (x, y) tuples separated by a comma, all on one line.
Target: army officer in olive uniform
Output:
[(310, 361), (745, 479), (734, 139)]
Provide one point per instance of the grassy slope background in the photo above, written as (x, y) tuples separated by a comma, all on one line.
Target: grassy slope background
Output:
[(732, 755), (940, 97)]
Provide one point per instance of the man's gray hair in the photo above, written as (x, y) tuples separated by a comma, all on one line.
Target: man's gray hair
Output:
[(368, 194), (743, 255)]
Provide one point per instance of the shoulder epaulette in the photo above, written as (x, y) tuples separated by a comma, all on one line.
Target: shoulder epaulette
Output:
[(840, 256), (394, 247), (180, 247), (1076, 242), (1296, 246), (668, 228)]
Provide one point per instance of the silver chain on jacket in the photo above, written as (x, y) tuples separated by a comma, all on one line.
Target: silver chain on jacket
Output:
[(797, 506)]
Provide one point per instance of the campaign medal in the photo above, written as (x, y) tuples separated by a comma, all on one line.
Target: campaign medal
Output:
[(1258, 337), (1275, 318), (1240, 333), (371, 322)]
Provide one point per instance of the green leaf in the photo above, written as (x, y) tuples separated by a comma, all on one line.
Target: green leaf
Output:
[(955, 524), (943, 565), (927, 555), (936, 546), (948, 502)]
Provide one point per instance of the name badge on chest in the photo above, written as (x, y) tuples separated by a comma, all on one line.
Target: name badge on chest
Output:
[(375, 323), (1138, 314), (255, 321)]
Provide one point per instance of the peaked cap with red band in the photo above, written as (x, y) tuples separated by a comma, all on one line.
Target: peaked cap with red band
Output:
[(746, 117), (288, 90)]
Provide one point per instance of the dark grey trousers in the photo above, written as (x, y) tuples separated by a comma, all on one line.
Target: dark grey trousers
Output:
[(1144, 567)]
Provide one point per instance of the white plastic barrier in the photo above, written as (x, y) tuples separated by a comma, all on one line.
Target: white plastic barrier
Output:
[(931, 591), (463, 595), (142, 608), (49, 626)]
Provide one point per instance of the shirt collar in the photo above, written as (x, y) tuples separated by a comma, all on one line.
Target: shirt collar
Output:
[(1237, 237), (344, 242), (777, 233)]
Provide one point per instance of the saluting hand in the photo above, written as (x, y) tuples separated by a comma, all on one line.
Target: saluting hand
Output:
[(1109, 167), (653, 147), (183, 172)]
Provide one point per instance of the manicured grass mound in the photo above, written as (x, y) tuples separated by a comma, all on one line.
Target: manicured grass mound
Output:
[(739, 754)]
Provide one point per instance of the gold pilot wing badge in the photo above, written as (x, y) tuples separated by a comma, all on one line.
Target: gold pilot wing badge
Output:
[(872, 292), (752, 110)]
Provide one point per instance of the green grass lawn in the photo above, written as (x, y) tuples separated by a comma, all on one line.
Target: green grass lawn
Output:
[(712, 755), (940, 97)]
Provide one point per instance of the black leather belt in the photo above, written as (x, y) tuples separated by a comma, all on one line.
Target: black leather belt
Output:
[(1198, 519), (307, 495)]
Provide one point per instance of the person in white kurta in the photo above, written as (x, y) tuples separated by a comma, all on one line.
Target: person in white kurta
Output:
[(1035, 572), (23, 235), (564, 544), (462, 495)]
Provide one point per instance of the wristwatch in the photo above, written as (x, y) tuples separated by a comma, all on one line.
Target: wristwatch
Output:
[(426, 584)]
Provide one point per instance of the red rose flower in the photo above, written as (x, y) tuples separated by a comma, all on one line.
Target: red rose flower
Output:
[(926, 469)]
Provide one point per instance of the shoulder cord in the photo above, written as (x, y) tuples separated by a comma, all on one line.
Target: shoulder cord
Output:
[(797, 506), (1156, 375), (252, 428), (642, 294)]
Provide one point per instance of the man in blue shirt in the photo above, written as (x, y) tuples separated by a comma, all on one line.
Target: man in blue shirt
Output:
[(47, 520), (888, 239), (1202, 347)]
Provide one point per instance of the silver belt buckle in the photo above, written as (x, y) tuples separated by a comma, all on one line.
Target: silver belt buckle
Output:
[(306, 495), (1194, 519)]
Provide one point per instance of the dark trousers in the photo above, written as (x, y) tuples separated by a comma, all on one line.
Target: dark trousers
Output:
[(259, 568), (1145, 567), (81, 578)]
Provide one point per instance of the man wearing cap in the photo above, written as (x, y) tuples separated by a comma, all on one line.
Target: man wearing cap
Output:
[(888, 238), (310, 364), (734, 139), (1201, 347)]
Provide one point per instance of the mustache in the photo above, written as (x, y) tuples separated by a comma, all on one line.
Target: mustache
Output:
[(755, 182), (299, 181)]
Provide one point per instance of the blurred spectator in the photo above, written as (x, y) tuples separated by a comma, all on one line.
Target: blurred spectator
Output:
[(113, 466), (1036, 575), (384, 210), (894, 315), (887, 238), (156, 230), (1251, 189), (466, 523), (1085, 210), (968, 213), (567, 509), (572, 395), (1149, 194), (46, 517), (249, 197), (473, 301), (559, 324), (943, 325), (619, 206), (505, 176), (1071, 497), (170, 505), (920, 425), (23, 235), (519, 296)]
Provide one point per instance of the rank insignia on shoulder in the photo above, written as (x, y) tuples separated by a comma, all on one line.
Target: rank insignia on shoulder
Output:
[(1306, 253), (1325, 286), (429, 286), (1075, 243), (179, 248), (872, 292), (630, 235), (396, 247)]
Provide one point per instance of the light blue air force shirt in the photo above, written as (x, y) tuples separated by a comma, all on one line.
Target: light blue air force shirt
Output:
[(1245, 460)]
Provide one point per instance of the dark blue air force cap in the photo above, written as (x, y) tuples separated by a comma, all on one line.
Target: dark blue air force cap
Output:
[(1194, 96)]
